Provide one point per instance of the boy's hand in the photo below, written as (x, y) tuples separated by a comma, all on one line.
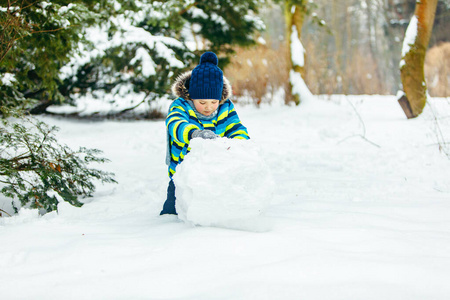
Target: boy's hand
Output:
[(204, 134)]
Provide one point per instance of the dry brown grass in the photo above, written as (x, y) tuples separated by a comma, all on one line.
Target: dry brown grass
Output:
[(437, 70), (258, 72), (359, 74)]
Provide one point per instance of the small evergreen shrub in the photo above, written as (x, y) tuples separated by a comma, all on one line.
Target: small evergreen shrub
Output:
[(40, 172)]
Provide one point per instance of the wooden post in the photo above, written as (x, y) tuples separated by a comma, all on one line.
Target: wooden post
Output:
[(404, 103)]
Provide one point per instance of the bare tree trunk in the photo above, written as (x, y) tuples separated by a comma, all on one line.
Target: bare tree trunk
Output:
[(393, 45), (372, 24), (414, 49), (295, 16)]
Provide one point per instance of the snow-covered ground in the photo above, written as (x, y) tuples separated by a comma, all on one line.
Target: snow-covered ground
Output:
[(361, 211)]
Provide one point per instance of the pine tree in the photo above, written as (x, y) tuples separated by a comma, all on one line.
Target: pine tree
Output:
[(40, 172), (37, 39), (225, 23), (139, 52)]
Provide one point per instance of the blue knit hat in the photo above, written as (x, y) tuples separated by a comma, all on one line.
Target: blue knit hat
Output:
[(206, 78)]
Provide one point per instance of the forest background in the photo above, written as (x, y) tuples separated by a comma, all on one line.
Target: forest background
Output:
[(126, 54), (351, 47), (132, 50)]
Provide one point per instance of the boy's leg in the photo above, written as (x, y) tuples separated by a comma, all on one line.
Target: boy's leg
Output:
[(169, 205)]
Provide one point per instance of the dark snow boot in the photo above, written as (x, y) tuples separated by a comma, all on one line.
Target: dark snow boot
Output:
[(169, 205)]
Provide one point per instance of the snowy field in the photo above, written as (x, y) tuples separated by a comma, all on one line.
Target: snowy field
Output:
[(361, 211)]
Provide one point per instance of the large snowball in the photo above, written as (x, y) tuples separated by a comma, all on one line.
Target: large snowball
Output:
[(222, 182)]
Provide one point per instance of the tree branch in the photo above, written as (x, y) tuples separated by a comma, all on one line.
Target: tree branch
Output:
[(363, 135), (1, 210), (183, 11), (131, 108), (20, 23)]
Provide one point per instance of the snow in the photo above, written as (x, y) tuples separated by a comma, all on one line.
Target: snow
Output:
[(224, 183), (87, 106), (299, 87), (349, 220), (128, 34), (198, 13), (7, 79), (148, 65), (297, 49), (64, 9), (410, 35), (190, 40), (400, 94), (259, 24), (45, 4)]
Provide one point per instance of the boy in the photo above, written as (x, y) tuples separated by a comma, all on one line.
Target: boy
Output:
[(202, 110)]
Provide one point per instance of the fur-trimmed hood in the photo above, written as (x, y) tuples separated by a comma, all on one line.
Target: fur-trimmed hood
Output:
[(180, 88)]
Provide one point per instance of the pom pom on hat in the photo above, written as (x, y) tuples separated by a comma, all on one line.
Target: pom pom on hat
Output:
[(210, 57), (206, 79)]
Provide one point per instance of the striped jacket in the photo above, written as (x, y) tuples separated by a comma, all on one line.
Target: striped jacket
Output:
[(182, 121)]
